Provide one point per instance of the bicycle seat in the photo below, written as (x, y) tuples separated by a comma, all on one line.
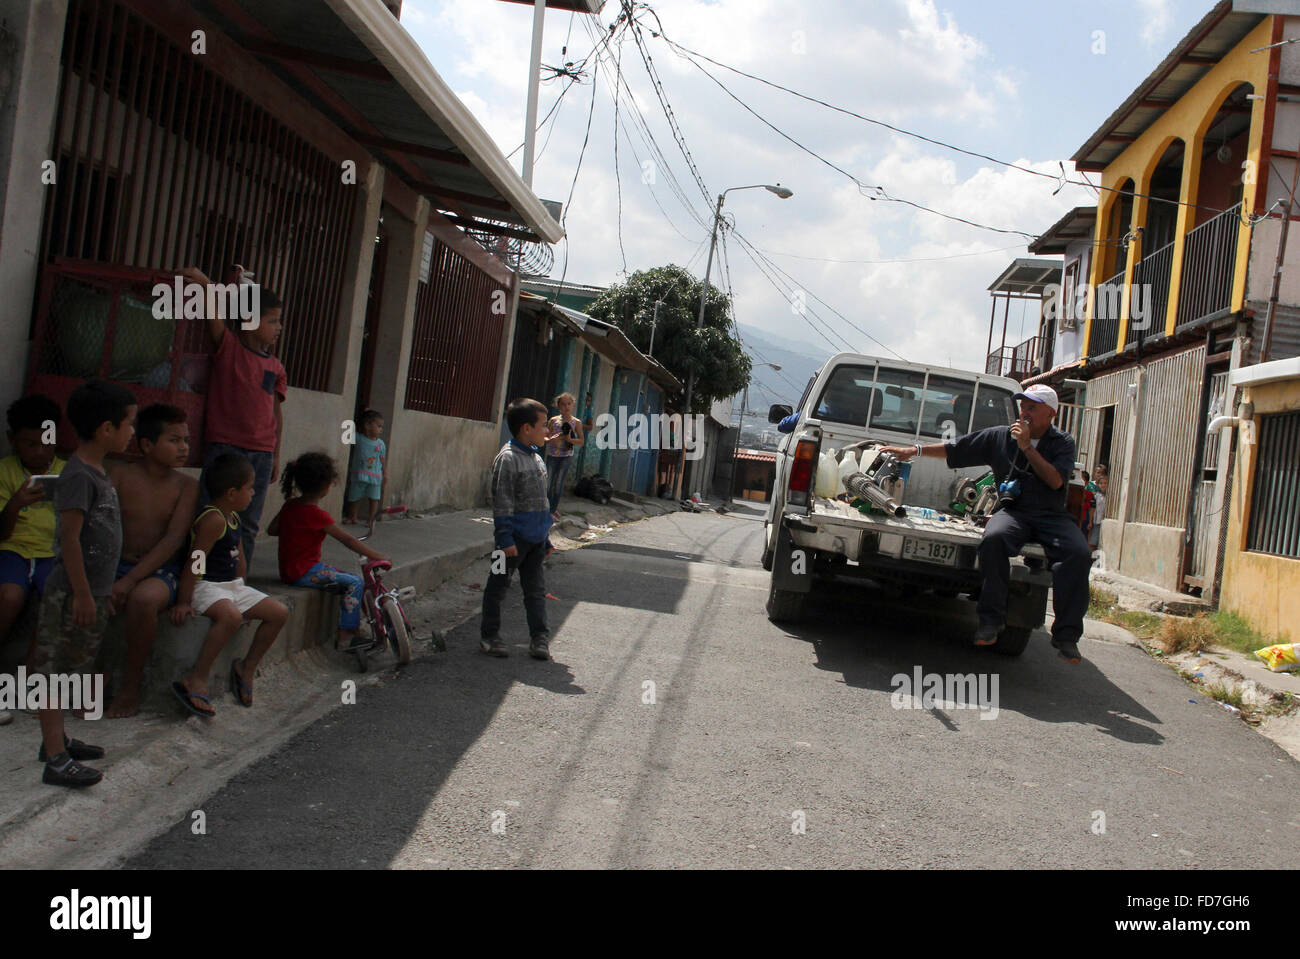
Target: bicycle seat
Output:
[(377, 564)]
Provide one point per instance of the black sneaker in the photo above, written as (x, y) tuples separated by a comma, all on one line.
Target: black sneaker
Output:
[(63, 770), (986, 635), (493, 646), (1067, 650), (76, 749), (540, 647)]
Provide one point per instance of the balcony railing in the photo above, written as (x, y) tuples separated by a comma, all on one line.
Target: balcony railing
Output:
[(1209, 264), (999, 361), (1025, 359), (1150, 295), (1106, 311)]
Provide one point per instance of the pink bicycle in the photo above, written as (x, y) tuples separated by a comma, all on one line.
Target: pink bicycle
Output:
[(382, 608)]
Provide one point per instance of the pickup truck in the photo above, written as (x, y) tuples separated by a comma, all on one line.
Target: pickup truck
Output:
[(854, 400)]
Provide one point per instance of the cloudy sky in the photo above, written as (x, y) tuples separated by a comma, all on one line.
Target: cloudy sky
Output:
[(1022, 81)]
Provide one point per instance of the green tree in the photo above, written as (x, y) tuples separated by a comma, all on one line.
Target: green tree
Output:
[(716, 356)]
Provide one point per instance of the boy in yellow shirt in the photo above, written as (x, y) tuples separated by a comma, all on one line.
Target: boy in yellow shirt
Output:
[(26, 513)]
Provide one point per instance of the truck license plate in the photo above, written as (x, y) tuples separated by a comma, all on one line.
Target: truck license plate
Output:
[(930, 551)]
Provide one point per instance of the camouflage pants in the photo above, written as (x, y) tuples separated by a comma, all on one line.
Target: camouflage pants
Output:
[(61, 645)]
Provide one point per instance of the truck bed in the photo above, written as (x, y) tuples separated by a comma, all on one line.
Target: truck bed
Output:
[(833, 516)]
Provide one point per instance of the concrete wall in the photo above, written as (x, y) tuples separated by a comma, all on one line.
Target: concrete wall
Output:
[(1264, 589), (29, 80), (1142, 551), (440, 460)]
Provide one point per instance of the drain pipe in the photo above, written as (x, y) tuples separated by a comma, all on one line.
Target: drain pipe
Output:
[(1246, 413)]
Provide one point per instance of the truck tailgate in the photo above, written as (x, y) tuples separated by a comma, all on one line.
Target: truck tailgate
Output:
[(955, 529)]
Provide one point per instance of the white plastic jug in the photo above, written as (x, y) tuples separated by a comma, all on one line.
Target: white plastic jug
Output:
[(827, 483), (848, 466)]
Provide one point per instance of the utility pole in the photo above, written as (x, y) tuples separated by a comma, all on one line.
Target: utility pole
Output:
[(654, 322), (534, 79)]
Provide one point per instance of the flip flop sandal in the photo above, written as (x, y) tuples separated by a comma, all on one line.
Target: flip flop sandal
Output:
[(241, 690), (186, 699)]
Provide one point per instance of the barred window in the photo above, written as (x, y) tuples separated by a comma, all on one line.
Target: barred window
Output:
[(460, 319), (1275, 496)]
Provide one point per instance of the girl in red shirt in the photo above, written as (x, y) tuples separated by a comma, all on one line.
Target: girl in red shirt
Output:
[(302, 527)]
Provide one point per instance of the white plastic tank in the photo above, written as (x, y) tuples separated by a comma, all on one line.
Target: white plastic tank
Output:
[(827, 483), (848, 466)]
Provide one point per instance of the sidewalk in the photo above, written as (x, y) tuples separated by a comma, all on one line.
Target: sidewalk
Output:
[(1269, 698), (161, 765)]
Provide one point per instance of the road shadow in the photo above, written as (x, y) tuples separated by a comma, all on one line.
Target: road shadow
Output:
[(870, 634), (349, 791)]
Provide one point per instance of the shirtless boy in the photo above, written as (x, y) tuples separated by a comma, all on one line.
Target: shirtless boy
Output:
[(158, 503)]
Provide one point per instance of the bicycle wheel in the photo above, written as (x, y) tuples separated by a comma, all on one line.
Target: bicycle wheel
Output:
[(395, 627)]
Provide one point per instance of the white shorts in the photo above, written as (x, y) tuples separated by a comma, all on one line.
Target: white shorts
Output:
[(237, 591)]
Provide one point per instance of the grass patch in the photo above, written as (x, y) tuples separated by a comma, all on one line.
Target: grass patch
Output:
[(1180, 634), (1225, 694), (1142, 625), (1101, 603), (1233, 632)]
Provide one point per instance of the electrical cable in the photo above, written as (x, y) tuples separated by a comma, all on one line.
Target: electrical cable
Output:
[(799, 285), (867, 190), (919, 259), (806, 313), (647, 137), (1063, 179), (618, 179)]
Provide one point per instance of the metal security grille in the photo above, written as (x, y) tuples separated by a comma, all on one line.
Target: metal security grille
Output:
[(1275, 497), (161, 163), (1167, 439), (460, 318)]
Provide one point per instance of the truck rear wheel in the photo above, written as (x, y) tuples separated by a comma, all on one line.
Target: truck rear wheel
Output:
[(1013, 640), (767, 548), (785, 606), (1025, 613)]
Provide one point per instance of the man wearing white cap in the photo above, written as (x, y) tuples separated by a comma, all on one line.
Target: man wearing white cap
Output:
[(1033, 461)]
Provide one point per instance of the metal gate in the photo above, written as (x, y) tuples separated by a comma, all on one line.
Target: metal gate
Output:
[(1205, 519)]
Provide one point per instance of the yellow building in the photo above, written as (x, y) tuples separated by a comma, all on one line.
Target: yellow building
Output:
[(1261, 563), (1194, 168)]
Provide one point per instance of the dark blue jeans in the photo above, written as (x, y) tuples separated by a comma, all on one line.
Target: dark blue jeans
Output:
[(557, 468), (1067, 555), (531, 578), (249, 518)]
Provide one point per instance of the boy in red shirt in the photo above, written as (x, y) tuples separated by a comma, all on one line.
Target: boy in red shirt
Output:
[(302, 527), (246, 386)]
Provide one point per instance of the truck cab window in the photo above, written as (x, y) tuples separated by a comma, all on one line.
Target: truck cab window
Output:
[(993, 407), (846, 397)]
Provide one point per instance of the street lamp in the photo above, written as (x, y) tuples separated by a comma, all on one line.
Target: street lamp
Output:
[(784, 193), (744, 403)]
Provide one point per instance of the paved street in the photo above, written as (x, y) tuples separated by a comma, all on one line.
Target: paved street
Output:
[(751, 725)]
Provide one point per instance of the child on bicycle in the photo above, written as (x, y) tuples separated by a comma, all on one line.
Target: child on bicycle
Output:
[(302, 527)]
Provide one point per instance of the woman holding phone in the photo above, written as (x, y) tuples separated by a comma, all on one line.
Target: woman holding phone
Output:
[(563, 435)]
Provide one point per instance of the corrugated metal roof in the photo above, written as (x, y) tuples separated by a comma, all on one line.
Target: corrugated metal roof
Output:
[(1076, 225), (757, 456), (362, 70), (1285, 341), (1205, 44), (1028, 276)]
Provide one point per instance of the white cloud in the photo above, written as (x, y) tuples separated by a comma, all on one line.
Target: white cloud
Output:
[(903, 61), (1157, 15)]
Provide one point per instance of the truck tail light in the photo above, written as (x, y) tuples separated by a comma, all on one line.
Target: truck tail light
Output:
[(802, 471)]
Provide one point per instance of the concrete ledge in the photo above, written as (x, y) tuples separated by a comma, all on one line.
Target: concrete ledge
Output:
[(426, 552)]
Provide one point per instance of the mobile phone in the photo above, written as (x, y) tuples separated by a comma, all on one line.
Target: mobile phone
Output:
[(46, 481)]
